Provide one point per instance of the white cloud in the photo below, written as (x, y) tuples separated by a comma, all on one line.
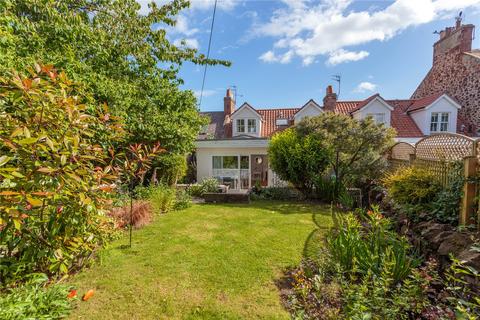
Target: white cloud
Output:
[(181, 26), (270, 57), (189, 42), (342, 55), (365, 87), (206, 93), (311, 28)]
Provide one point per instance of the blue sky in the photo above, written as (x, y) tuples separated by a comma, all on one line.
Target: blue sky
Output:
[(284, 52)]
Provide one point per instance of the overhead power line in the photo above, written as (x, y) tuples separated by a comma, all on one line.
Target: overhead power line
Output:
[(208, 53)]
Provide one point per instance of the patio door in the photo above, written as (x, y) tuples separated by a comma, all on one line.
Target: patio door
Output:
[(259, 170)]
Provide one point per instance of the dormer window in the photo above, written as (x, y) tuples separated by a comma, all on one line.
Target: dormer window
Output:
[(379, 118), (240, 125), (252, 126), (439, 122), (281, 122)]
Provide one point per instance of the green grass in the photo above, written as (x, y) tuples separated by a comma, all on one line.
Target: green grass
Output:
[(205, 262)]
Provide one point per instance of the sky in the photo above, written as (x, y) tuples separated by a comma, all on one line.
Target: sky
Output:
[(285, 52)]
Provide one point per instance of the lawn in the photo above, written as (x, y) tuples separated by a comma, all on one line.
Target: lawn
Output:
[(205, 262)]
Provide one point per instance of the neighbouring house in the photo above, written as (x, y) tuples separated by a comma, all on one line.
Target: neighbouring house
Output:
[(456, 71), (233, 147)]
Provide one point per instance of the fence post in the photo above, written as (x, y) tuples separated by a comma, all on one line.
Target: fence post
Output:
[(411, 158), (468, 200)]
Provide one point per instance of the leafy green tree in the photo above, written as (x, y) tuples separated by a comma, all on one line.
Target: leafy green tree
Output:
[(356, 146), (123, 58), (297, 159)]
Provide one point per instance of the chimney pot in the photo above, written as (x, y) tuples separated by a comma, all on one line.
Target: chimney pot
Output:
[(329, 89)]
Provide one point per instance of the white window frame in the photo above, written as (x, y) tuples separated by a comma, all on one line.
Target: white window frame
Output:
[(375, 117), (237, 172), (252, 128), (241, 124), (440, 125)]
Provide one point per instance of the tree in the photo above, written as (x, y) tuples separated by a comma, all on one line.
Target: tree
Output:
[(123, 58), (297, 159), (356, 146)]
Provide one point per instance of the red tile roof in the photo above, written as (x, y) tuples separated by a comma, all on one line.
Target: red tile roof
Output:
[(424, 102), (400, 119), (346, 107), (365, 102), (270, 116)]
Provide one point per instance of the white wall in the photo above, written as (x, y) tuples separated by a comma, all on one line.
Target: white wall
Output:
[(423, 117), (205, 154), (246, 113), (420, 118), (411, 141), (375, 106), (309, 110)]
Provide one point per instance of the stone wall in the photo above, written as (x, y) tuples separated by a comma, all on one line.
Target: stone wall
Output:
[(458, 74)]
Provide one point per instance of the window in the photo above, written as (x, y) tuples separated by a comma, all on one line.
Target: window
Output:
[(379, 118), (230, 162), (439, 122), (252, 125), (217, 162), (282, 122), (244, 162), (225, 162), (232, 171), (240, 125)]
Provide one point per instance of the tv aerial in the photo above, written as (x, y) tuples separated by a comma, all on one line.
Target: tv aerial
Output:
[(338, 79)]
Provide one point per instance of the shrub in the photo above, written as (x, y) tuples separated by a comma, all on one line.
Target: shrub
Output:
[(446, 206), (183, 200), (377, 296), (35, 300), (162, 198), (369, 247), (365, 272), (412, 185), (207, 186), (353, 148), (298, 160), (142, 214), (53, 181), (169, 168), (276, 193)]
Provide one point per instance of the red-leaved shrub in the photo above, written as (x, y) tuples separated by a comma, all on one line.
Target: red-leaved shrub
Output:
[(142, 214)]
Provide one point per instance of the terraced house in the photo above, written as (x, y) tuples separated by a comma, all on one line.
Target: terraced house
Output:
[(233, 147)]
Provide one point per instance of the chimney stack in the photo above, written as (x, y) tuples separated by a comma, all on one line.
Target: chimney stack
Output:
[(228, 103), (330, 100), (454, 39)]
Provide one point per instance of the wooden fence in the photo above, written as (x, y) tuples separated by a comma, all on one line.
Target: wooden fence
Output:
[(446, 155)]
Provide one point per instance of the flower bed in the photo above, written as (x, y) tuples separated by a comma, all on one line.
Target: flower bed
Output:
[(368, 271)]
